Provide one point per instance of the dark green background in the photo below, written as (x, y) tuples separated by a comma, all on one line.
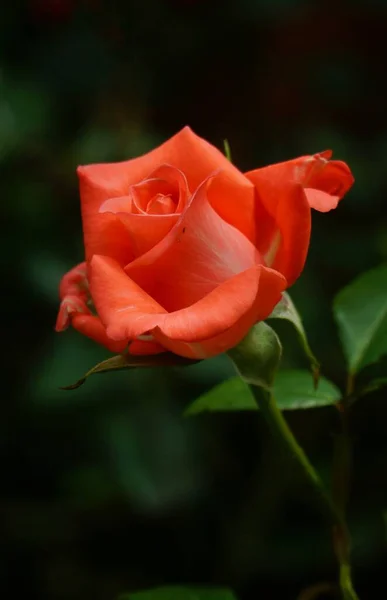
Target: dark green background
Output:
[(108, 489)]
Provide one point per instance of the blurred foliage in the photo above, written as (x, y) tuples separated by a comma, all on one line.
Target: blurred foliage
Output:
[(108, 489)]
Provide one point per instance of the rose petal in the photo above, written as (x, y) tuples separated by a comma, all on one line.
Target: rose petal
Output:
[(92, 327), (233, 196), (166, 179), (161, 205), (321, 201), (328, 184), (125, 309), (199, 253), (270, 286), (74, 293), (128, 312), (70, 305), (74, 282), (186, 151), (283, 219), (141, 348), (145, 231), (314, 172), (103, 233)]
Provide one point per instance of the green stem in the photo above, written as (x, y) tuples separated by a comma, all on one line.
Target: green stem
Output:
[(346, 585), (342, 467), (256, 359), (284, 435)]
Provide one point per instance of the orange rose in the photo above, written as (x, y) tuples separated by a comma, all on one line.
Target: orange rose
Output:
[(184, 252)]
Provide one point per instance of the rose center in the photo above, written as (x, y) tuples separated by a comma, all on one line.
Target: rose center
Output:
[(161, 205), (155, 196)]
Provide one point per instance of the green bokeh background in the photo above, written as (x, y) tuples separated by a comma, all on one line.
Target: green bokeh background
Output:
[(108, 489)]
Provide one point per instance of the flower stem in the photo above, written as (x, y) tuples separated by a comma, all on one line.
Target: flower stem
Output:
[(334, 515), (285, 437), (256, 359), (342, 467), (346, 585)]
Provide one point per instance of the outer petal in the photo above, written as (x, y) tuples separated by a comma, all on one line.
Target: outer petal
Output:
[(328, 184), (125, 309), (74, 311), (128, 312), (70, 305), (195, 157), (92, 327), (200, 252), (102, 233), (74, 282), (74, 293), (326, 181), (142, 348), (271, 284), (283, 223), (283, 219)]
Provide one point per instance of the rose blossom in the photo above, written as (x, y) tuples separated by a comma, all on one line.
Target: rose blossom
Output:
[(183, 252)]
